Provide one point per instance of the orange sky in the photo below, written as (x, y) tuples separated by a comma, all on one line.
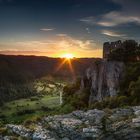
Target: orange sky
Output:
[(57, 46)]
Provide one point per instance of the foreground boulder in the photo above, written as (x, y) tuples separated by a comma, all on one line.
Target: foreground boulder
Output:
[(117, 124)]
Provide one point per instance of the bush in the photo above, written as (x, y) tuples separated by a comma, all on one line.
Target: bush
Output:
[(3, 131), (123, 100), (75, 97), (2, 116), (67, 108), (129, 51), (34, 99), (111, 102), (43, 108), (23, 112), (32, 120)]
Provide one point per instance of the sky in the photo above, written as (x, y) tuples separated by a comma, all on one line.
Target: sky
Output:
[(57, 27)]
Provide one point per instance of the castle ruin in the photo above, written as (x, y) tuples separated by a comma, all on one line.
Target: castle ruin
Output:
[(130, 46), (109, 47)]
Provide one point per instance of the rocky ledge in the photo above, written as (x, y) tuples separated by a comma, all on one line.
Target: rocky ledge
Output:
[(117, 124)]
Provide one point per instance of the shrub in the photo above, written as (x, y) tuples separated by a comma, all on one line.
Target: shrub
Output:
[(23, 112), (34, 99), (3, 131), (123, 100), (2, 116), (67, 108), (45, 108)]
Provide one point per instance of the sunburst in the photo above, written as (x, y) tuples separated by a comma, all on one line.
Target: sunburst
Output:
[(68, 56), (67, 59)]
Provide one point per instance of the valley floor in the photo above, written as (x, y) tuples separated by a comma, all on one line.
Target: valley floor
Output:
[(47, 99), (20, 110)]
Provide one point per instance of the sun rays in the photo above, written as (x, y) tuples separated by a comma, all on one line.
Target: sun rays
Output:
[(67, 60)]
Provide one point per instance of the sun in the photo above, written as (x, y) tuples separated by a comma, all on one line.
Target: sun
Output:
[(68, 56), (67, 60)]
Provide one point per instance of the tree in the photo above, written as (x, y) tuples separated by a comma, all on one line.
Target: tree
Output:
[(130, 51)]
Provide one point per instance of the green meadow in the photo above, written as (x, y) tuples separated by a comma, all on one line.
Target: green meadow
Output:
[(44, 103), (20, 110)]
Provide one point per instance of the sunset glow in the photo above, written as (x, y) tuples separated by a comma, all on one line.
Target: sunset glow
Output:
[(68, 56), (67, 60), (71, 66)]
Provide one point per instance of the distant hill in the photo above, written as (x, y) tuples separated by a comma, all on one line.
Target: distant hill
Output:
[(39, 66), (18, 72)]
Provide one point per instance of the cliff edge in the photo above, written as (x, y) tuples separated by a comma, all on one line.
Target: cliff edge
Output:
[(103, 79)]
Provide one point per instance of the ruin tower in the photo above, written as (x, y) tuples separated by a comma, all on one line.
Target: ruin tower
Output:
[(109, 47), (106, 50)]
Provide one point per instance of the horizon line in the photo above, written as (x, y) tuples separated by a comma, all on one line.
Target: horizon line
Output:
[(28, 55)]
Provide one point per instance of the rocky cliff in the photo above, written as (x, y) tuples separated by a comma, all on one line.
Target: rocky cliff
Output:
[(103, 79), (117, 124)]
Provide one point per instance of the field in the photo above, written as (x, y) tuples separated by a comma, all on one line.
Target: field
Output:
[(44, 103), (19, 110)]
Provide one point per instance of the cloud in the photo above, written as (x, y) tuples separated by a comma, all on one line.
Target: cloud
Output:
[(16, 52), (112, 33), (112, 19), (116, 18), (61, 35), (47, 29), (89, 20), (129, 13), (56, 47)]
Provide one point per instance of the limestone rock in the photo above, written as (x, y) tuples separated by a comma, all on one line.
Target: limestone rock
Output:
[(84, 125), (103, 79), (20, 130)]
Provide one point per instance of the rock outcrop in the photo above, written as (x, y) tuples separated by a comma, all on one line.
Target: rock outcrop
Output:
[(103, 79), (116, 124)]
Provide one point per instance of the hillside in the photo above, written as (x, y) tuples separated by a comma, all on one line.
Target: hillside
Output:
[(18, 73), (41, 66)]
